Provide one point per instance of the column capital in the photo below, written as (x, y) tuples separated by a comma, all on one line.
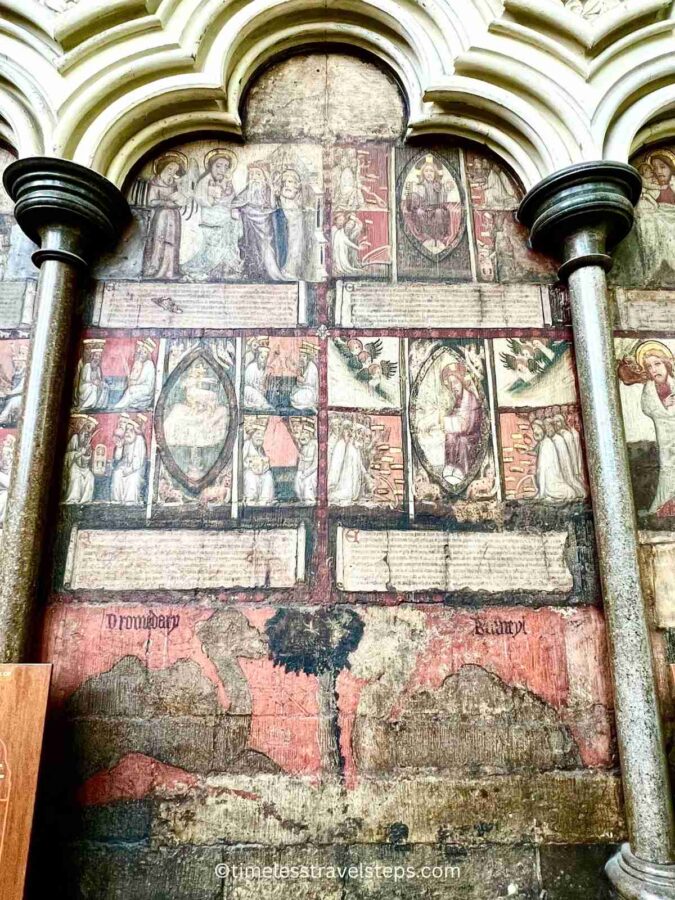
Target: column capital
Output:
[(70, 211), (581, 212)]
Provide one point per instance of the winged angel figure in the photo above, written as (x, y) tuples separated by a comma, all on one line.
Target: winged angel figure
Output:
[(365, 364), (528, 359)]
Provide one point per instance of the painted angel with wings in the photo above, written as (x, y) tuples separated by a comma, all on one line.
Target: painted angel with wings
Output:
[(528, 359), (363, 359)]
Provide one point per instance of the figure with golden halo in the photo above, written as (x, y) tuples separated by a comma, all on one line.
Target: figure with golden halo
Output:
[(166, 199), (259, 487), (647, 257), (219, 255), (139, 390), (431, 208), (662, 163), (129, 457), (91, 388), (79, 486), (462, 413), (305, 394), (653, 365)]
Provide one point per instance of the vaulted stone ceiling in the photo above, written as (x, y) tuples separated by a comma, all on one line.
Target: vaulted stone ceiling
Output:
[(544, 83)]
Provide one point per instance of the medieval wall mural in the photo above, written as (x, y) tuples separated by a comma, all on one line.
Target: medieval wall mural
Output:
[(643, 284), (324, 534), (645, 279), (17, 294)]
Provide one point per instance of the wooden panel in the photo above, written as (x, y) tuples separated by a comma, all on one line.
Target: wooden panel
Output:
[(23, 703)]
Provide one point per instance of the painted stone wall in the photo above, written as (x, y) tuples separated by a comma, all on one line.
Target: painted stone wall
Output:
[(645, 350), (17, 294), (324, 585)]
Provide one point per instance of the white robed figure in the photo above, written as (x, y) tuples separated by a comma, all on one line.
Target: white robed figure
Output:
[(305, 395), (308, 464), (219, 255), (255, 378), (91, 389), (551, 484), (129, 456), (348, 478), (258, 480), (14, 395), (664, 424), (658, 402), (6, 460), (649, 251), (345, 245), (573, 443), (79, 483), (140, 387), (196, 427), (565, 459)]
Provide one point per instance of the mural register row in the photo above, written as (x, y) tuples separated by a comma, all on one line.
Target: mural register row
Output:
[(324, 519), (199, 437)]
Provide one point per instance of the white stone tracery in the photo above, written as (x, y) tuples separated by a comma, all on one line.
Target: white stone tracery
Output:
[(543, 83)]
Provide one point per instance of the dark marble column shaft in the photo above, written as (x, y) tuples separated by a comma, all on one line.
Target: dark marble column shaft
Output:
[(579, 215), (71, 213)]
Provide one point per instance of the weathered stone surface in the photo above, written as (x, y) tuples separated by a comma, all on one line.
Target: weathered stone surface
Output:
[(474, 724), (297, 873), (126, 820), (172, 715), (561, 807), (346, 99), (92, 871), (436, 873), (577, 871), (380, 872)]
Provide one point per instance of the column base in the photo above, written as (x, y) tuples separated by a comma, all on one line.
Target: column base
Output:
[(636, 879)]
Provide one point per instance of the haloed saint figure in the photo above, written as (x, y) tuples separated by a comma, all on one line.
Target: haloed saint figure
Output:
[(653, 366), (161, 258), (449, 416)]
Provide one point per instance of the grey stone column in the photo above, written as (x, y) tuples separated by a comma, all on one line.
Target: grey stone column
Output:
[(579, 214), (71, 213)]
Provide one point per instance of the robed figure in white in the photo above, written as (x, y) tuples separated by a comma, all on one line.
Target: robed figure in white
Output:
[(348, 478), (565, 460), (129, 456), (258, 479), (80, 480), (140, 388), (6, 460), (551, 483), (91, 389), (308, 464), (305, 395), (662, 414)]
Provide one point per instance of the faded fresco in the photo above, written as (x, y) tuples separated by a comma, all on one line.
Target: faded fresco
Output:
[(324, 536), (17, 293), (643, 289), (646, 369), (644, 345), (646, 258)]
